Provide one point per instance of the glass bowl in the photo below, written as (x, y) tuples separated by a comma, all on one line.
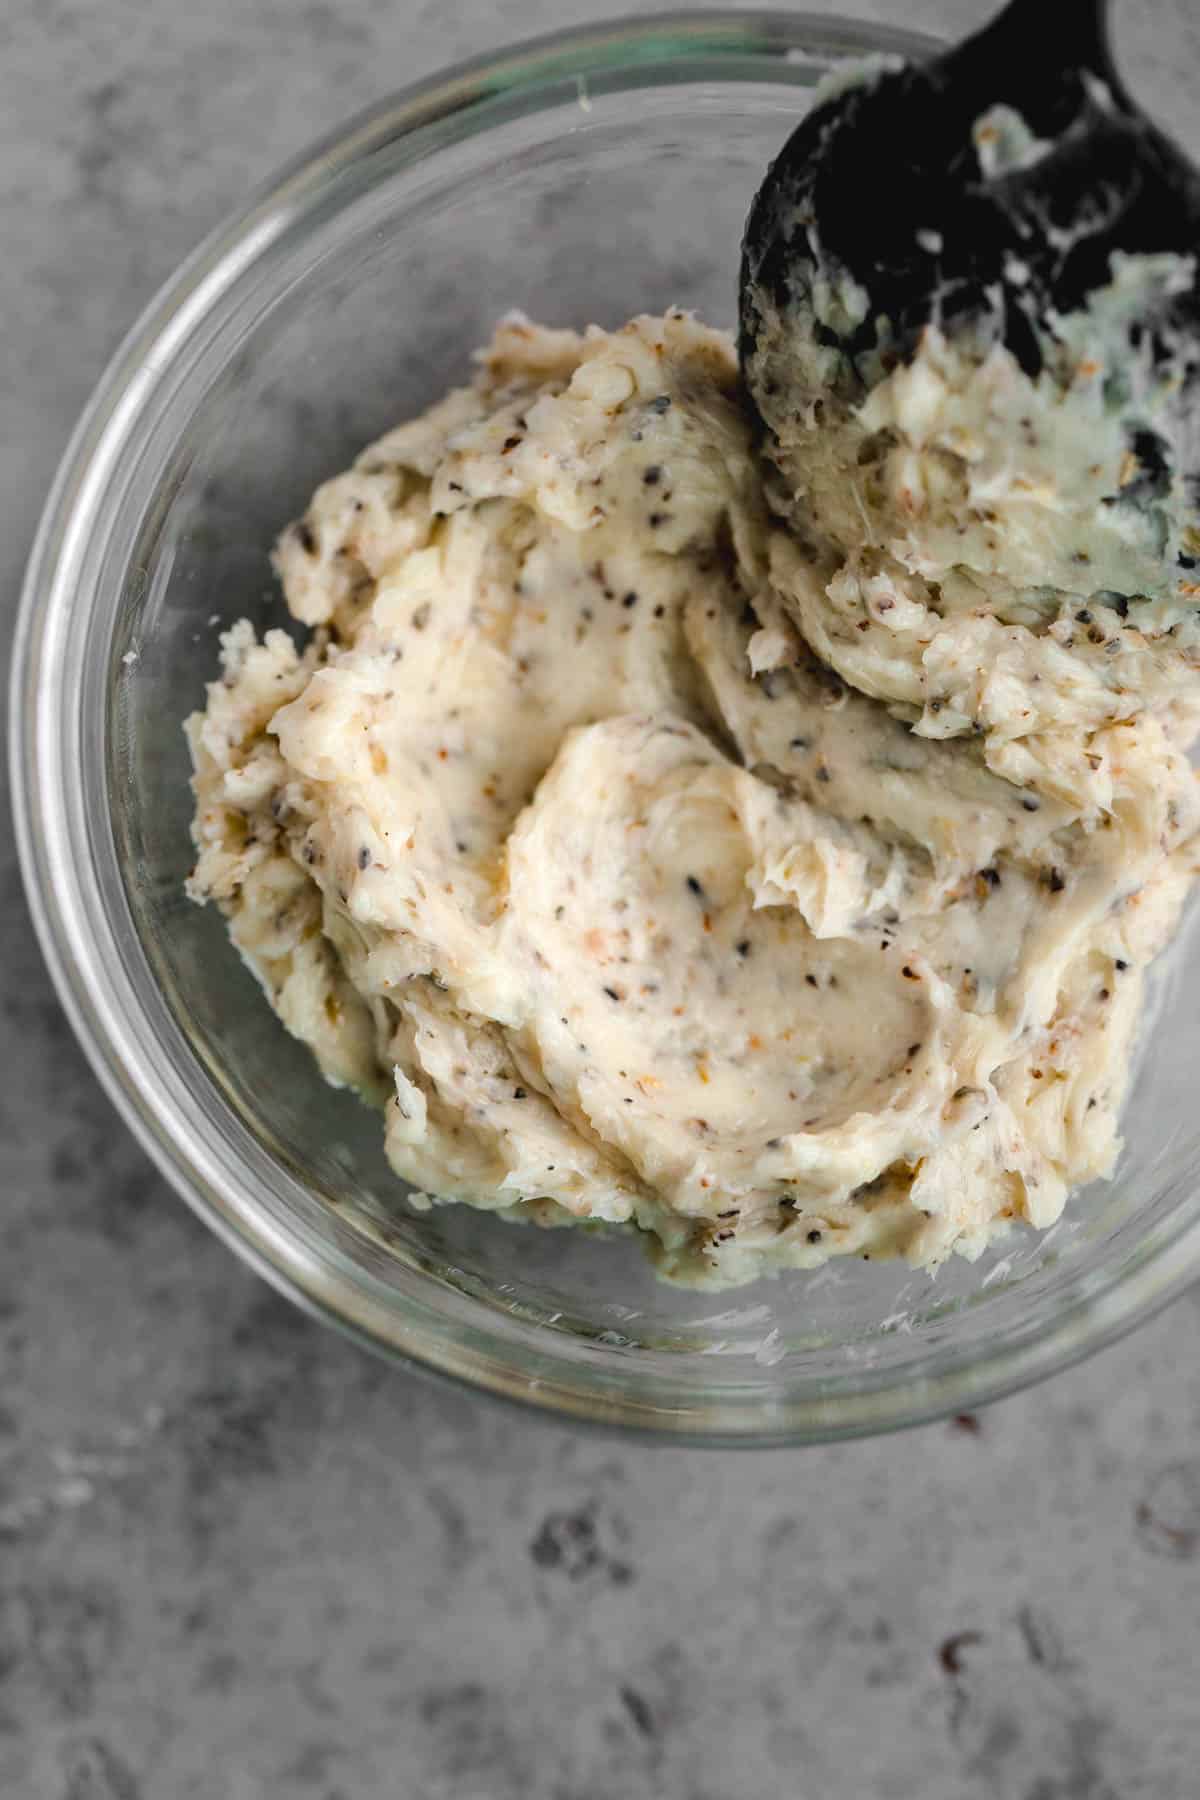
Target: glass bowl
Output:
[(583, 177)]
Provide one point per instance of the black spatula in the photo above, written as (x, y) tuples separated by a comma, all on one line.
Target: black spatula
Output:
[(896, 185)]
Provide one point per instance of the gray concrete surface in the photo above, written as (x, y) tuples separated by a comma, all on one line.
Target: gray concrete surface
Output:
[(241, 1560)]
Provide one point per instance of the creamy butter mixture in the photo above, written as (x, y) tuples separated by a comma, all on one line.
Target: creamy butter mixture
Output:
[(769, 864), (986, 549)]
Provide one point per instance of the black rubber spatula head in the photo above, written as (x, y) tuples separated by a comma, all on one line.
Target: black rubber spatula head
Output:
[(994, 190)]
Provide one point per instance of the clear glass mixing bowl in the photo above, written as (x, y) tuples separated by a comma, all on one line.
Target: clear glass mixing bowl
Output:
[(582, 178)]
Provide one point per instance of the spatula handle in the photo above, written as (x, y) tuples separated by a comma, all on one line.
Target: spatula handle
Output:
[(1040, 37)]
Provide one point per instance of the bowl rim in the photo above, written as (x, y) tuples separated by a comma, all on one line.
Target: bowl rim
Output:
[(104, 1016)]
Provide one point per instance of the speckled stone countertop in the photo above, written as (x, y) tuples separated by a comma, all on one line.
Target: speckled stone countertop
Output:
[(240, 1559)]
